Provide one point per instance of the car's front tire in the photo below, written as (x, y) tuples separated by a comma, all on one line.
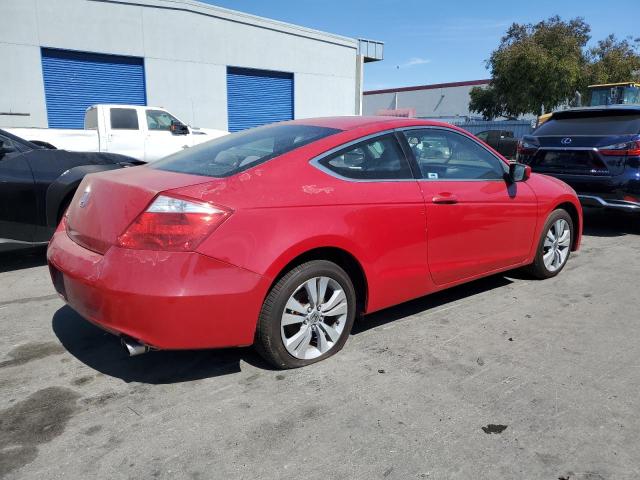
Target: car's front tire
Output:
[(307, 315), (554, 246)]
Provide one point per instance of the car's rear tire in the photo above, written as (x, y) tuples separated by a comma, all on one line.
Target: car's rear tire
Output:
[(554, 246), (307, 315)]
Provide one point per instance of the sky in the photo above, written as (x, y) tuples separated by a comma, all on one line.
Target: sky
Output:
[(436, 41)]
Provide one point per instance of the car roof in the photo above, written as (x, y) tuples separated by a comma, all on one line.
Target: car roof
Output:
[(354, 122), (123, 105), (631, 109), (619, 84)]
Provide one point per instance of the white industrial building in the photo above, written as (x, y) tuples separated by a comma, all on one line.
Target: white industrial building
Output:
[(441, 101), (210, 66)]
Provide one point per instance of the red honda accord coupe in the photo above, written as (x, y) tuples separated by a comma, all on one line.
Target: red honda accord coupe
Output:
[(280, 235)]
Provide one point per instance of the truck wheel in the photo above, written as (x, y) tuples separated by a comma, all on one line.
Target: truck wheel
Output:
[(307, 316), (554, 247)]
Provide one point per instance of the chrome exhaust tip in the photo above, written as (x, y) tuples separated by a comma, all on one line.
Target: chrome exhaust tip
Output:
[(133, 347)]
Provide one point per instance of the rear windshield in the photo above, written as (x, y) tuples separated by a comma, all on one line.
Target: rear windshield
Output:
[(603, 125), (236, 152)]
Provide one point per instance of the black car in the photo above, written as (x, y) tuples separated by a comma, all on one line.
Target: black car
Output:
[(595, 150), (37, 184), (501, 141)]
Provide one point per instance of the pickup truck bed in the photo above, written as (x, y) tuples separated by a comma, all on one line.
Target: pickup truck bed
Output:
[(62, 139), (144, 133)]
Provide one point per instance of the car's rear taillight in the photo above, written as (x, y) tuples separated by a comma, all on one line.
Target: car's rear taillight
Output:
[(63, 223), (626, 149), (173, 223), (527, 146)]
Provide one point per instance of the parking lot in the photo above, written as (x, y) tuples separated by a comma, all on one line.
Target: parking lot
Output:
[(556, 362)]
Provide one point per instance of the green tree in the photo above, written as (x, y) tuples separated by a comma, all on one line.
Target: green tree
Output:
[(487, 101), (613, 60), (535, 68), (538, 67)]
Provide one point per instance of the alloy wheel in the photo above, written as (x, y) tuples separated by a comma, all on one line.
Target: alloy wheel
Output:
[(556, 245), (314, 318)]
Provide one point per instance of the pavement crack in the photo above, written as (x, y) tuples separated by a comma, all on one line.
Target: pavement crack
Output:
[(134, 411), (19, 301)]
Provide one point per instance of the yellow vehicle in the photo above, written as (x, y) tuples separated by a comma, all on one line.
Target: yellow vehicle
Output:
[(543, 118), (623, 93)]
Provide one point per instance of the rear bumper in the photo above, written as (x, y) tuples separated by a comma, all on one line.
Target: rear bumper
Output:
[(167, 300), (609, 203), (621, 192)]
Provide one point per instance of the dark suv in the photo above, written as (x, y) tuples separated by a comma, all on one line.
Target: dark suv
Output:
[(595, 150)]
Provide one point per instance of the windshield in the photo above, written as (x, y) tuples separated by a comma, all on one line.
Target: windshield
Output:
[(616, 95), (601, 97), (631, 95), (236, 152)]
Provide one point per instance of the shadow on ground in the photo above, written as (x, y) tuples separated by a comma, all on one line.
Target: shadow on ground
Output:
[(102, 352), (433, 301), (603, 223), (23, 258)]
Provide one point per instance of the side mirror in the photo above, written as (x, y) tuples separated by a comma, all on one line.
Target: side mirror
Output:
[(518, 172), (178, 128), (4, 149)]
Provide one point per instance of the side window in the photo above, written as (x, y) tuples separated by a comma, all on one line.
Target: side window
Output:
[(446, 155), (158, 120), (124, 119), (483, 136), (378, 159), (91, 119)]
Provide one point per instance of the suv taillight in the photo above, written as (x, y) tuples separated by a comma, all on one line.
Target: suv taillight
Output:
[(173, 223), (626, 149), (527, 146)]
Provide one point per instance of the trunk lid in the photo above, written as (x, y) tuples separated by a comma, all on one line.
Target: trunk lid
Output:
[(106, 203), (578, 155)]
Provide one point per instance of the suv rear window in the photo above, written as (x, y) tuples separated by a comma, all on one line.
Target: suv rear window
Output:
[(231, 154), (591, 125)]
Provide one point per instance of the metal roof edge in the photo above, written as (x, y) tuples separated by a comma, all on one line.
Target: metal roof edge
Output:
[(209, 10), (429, 87)]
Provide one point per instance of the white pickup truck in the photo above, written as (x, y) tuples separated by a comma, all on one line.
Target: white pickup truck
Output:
[(145, 133)]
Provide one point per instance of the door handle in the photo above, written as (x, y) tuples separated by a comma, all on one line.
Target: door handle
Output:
[(445, 198)]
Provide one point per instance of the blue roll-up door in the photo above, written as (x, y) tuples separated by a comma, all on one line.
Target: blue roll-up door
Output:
[(258, 97), (74, 81)]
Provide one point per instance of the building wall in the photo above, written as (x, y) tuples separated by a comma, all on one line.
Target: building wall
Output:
[(186, 46), (444, 102)]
